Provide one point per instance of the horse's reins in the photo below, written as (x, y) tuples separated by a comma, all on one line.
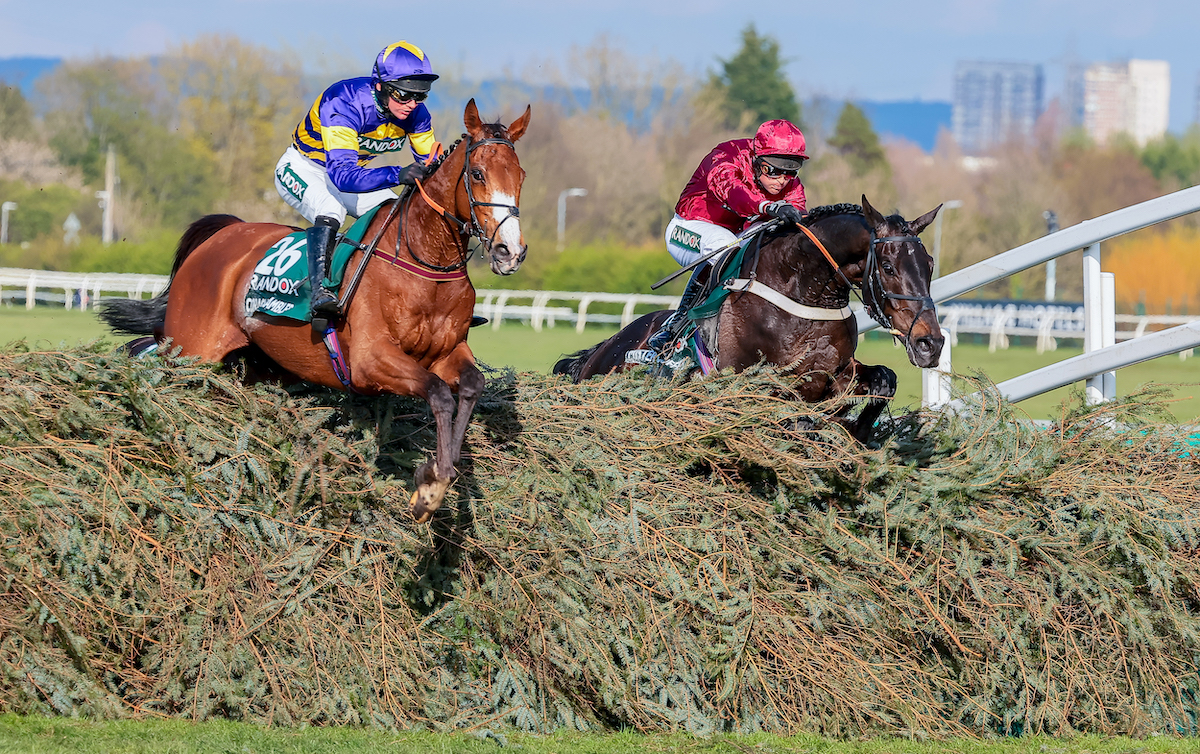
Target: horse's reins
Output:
[(473, 228), (440, 273), (873, 282)]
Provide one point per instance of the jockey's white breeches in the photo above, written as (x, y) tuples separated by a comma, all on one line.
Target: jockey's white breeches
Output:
[(688, 240), (306, 187)]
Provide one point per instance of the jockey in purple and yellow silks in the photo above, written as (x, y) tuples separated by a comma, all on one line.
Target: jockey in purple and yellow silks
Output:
[(324, 174)]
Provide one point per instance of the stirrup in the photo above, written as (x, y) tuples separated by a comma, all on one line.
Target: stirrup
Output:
[(324, 310)]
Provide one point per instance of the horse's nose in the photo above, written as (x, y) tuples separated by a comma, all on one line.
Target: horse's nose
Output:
[(504, 261), (927, 350)]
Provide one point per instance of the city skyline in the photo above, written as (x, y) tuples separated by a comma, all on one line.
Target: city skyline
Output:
[(855, 50)]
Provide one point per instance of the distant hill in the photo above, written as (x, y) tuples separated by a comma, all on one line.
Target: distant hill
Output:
[(916, 121), (22, 72)]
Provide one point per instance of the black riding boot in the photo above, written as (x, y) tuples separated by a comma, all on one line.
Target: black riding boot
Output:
[(320, 248), (670, 329)]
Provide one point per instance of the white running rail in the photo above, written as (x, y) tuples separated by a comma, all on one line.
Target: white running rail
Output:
[(74, 288)]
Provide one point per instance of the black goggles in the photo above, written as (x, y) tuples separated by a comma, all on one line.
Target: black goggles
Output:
[(401, 95), (771, 171)]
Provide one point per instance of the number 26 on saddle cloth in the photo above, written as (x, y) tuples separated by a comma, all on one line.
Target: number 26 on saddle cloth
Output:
[(279, 285)]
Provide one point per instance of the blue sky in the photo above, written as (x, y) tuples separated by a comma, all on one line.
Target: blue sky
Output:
[(860, 49)]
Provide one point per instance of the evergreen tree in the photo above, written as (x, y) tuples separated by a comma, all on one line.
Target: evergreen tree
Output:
[(1175, 160), (752, 86), (16, 116), (857, 142)]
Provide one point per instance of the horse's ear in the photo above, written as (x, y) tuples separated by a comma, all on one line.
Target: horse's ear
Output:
[(922, 222), (471, 120), (874, 219), (518, 126)]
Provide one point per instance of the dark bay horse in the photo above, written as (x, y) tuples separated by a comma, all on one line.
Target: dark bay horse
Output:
[(405, 329), (807, 327)]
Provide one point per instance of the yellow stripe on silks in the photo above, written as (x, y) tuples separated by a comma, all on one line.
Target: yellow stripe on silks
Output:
[(406, 45), (304, 137), (385, 132), (422, 143), (339, 137)]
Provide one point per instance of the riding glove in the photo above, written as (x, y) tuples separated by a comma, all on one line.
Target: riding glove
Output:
[(410, 174), (784, 211)]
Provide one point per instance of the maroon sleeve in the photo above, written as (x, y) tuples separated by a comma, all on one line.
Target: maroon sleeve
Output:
[(728, 184)]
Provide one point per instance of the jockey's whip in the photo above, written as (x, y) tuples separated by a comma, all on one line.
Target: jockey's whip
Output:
[(753, 229)]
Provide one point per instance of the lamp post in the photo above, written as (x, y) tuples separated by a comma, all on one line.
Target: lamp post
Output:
[(5, 208), (937, 233), (562, 213), (1052, 265)]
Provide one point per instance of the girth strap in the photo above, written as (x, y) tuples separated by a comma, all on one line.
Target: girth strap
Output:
[(794, 308)]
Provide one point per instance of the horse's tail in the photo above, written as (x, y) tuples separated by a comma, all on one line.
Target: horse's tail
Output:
[(146, 316), (134, 316), (572, 365)]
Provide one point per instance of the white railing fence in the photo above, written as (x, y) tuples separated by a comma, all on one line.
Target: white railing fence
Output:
[(73, 289), (1046, 323), (1143, 337)]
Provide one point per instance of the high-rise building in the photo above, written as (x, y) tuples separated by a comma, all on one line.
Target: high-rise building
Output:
[(994, 102), (1133, 97), (1196, 117)]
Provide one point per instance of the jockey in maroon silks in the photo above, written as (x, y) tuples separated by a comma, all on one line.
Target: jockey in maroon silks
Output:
[(738, 183)]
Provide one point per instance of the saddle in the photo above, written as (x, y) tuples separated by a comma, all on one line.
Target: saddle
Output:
[(739, 262), (279, 285)]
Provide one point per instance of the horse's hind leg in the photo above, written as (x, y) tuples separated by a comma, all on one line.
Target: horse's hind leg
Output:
[(875, 383)]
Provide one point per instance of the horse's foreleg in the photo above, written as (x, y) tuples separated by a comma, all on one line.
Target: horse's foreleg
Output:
[(397, 373), (459, 371), (875, 383)]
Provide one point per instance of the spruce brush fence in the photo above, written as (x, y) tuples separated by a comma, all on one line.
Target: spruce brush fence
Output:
[(618, 554)]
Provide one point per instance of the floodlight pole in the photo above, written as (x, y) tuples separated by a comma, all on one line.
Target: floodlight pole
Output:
[(1052, 265), (5, 208), (562, 213), (937, 233), (106, 196)]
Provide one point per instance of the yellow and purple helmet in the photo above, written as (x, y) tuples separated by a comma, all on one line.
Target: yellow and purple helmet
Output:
[(404, 66)]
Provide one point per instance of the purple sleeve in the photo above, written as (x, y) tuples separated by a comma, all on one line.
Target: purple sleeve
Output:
[(350, 177), (340, 125)]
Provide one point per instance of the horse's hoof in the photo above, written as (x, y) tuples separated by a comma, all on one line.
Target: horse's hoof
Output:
[(427, 499)]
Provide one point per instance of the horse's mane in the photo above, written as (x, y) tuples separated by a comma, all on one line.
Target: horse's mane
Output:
[(829, 210), (494, 131)]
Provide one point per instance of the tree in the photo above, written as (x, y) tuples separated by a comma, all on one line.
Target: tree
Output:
[(239, 104), (751, 85), (857, 142), (16, 116), (1174, 160), (163, 178)]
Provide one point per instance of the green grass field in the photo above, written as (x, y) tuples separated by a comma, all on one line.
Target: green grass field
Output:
[(518, 346), (60, 735)]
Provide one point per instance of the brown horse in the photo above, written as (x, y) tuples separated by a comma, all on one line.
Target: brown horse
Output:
[(405, 328), (790, 308)]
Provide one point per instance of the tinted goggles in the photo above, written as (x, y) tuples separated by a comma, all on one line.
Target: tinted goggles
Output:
[(400, 95), (771, 171)]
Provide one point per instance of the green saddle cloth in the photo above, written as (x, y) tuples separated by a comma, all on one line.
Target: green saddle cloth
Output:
[(279, 286), (712, 303)]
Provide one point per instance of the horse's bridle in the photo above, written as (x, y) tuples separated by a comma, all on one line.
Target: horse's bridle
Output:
[(874, 293), (872, 282), (473, 228)]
